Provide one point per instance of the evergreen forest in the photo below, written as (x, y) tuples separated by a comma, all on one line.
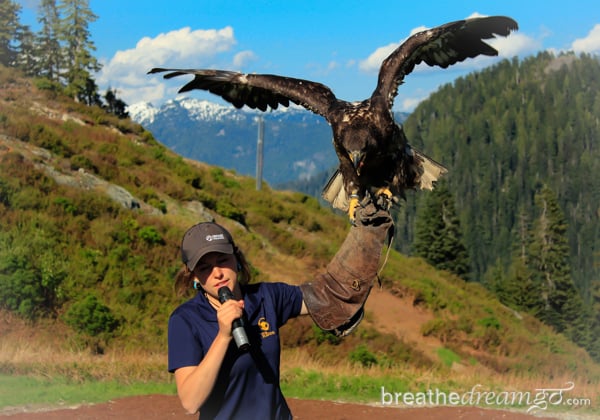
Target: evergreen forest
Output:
[(508, 132), (521, 141)]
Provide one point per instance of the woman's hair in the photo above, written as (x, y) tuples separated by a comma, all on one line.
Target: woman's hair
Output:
[(184, 279)]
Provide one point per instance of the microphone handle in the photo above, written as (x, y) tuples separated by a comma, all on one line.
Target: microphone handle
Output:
[(237, 326), (239, 334)]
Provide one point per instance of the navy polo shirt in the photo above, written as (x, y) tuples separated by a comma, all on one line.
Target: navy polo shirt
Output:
[(247, 386)]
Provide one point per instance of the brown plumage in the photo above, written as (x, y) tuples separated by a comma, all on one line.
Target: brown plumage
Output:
[(372, 149)]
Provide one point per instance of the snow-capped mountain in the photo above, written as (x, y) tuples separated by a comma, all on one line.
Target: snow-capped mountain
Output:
[(297, 143), (145, 112), (142, 112)]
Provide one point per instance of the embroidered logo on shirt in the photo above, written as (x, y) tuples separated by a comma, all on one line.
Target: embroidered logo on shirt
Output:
[(265, 328)]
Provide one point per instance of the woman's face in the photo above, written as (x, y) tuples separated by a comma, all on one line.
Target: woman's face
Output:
[(215, 270)]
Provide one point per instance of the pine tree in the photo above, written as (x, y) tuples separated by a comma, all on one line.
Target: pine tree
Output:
[(90, 95), (9, 27), (438, 236), (114, 105), (522, 291), (561, 305), (26, 58), (76, 15), (516, 287), (49, 52), (525, 292)]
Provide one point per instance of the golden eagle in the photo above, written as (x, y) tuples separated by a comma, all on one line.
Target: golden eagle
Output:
[(373, 151)]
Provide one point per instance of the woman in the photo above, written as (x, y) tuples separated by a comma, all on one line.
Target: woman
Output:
[(211, 373), (216, 377)]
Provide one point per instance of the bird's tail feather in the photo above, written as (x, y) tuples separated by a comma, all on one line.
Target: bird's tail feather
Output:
[(335, 193), (428, 169)]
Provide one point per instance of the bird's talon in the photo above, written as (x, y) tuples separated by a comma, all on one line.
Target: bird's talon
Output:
[(384, 198), (384, 191), (352, 208)]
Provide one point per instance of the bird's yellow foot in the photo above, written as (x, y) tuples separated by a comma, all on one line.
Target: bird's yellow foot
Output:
[(384, 198), (352, 207)]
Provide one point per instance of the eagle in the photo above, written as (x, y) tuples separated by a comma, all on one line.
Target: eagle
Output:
[(375, 158)]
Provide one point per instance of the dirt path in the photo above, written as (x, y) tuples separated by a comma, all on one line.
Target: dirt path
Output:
[(398, 316), (155, 407)]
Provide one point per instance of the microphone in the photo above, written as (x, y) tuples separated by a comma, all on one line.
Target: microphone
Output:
[(237, 328)]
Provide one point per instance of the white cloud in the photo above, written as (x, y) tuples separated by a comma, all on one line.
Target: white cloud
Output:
[(243, 58), (409, 104), (515, 44), (475, 14), (126, 70), (332, 65), (589, 44), (372, 63)]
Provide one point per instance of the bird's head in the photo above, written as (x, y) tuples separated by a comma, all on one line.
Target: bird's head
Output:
[(358, 159), (358, 141)]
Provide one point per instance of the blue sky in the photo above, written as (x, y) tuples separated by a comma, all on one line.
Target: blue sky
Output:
[(338, 43)]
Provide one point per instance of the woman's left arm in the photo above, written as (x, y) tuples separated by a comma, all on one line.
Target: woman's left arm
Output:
[(303, 309)]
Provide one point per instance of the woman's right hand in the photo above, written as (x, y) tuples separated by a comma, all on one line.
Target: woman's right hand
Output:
[(227, 313)]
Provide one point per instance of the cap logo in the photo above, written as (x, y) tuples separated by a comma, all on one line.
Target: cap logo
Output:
[(216, 237)]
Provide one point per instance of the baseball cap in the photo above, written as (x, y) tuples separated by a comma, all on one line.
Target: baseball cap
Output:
[(203, 238)]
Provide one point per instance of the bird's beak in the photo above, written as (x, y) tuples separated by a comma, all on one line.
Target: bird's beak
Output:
[(357, 160)]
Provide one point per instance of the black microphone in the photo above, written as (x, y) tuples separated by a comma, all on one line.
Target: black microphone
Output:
[(237, 327)]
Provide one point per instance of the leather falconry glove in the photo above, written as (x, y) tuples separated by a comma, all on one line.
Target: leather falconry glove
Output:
[(335, 299)]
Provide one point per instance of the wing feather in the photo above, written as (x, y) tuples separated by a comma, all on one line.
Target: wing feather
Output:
[(442, 46), (258, 91)]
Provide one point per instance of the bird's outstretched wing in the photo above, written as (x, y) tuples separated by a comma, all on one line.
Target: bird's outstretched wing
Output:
[(441, 46), (257, 90)]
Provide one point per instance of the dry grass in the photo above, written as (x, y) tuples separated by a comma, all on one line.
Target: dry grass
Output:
[(455, 379), (51, 351), (50, 354), (79, 366)]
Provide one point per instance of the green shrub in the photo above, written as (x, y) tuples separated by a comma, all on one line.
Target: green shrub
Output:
[(228, 210), (28, 198), (91, 317), (49, 85), (322, 336), (150, 235), (43, 136), (489, 322), (447, 356), (362, 356), (80, 161), (158, 204), (67, 205), (207, 200), (30, 275), (218, 175)]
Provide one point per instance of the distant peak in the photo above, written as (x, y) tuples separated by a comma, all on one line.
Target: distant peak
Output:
[(142, 112)]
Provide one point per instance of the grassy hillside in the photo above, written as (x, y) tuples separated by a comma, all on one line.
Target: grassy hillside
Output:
[(92, 209)]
